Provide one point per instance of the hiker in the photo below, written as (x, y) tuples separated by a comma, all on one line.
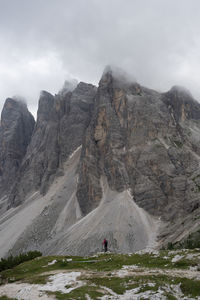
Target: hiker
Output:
[(105, 245)]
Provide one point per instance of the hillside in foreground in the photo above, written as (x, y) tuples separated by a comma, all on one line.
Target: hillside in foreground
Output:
[(165, 274)]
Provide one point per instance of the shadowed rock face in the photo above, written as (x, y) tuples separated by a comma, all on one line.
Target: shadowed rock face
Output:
[(16, 129), (138, 140), (60, 126)]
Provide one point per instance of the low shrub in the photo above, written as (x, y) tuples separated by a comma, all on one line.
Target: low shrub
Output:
[(12, 261)]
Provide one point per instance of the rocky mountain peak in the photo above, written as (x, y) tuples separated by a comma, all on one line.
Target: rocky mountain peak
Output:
[(14, 113), (69, 86), (60, 127), (12, 109), (17, 125), (181, 91), (84, 93), (116, 78), (45, 106), (15, 102), (182, 104)]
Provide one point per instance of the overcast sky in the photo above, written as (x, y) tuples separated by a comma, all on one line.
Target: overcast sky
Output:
[(44, 42)]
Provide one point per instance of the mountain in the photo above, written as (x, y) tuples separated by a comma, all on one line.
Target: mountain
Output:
[(16, 129), (119, 161), (61, 123)]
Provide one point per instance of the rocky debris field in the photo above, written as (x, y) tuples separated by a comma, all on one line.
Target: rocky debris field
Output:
[(143, 275)]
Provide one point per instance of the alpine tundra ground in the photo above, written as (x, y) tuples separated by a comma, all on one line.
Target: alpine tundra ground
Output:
[(156, 275)]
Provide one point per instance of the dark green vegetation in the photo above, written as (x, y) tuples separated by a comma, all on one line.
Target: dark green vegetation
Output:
[(178, 144), (192, 242), (99, 273), (170, 296), (30, 271), (6, 298), (13, 261)]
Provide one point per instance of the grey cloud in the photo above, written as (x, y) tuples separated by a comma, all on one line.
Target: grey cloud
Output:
[(44, 42)]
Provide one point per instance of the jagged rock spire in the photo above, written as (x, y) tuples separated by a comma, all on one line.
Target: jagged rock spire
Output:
[(16, 129)]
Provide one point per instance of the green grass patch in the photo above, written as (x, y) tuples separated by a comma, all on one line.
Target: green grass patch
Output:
[(170, 296), (185, 263), (30, 271), (38, 279), (79, 293), (147, 287), (116, 284), (116, 261), (6, 298), (190, 287)]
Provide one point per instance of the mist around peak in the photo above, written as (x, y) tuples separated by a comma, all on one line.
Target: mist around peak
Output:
[(68, 86), (16, 102), (181, 90), (20, 99), (119, 74)]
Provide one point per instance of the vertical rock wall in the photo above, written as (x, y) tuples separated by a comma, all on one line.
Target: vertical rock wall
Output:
[(16, 130)]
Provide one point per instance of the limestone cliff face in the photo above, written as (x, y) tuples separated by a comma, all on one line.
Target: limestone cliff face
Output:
[(137, 170), (61, 123), (138, 140), (16, 129)]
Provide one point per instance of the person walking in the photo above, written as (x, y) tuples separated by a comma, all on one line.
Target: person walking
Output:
[(105, 245)]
